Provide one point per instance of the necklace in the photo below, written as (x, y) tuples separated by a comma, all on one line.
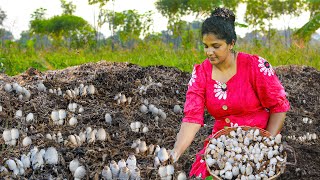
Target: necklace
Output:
[(224, 84)]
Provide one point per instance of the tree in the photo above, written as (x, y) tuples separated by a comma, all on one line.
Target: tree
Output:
[(73, 29), (129, 24), (5, 37), (31, 40), (258, 12), (174, 10), (39, 14), (314, 7), (305, 32), (100, 2), (68, 8), (2, 16)]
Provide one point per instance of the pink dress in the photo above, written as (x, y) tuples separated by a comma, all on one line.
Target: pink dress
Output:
[(247, 98)]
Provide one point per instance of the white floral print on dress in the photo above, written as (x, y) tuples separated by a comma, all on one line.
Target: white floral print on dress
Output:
[(265, 67), (193, 77), (220, 90)]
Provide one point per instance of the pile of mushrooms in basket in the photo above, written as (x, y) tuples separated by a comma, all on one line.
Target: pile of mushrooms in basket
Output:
[(245, 153)]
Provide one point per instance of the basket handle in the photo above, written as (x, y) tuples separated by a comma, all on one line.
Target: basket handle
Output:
[(290, 149)]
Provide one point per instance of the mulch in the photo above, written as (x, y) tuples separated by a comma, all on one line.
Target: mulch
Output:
[(302, 85)]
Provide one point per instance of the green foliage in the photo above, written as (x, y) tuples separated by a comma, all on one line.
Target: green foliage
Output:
[(232, 4), (153, 52), (174, 10), (308, 29), (241, 25), (170, 8), (256, 12), (100, 2), (314, 7), (132, 26), (191, 35), (39, 26), (75, 30), (39, 14), (2, 16), (288, 7), (5, 35), (259, 11), (129, 24), (203, 6), (68, 8), (63, 24)]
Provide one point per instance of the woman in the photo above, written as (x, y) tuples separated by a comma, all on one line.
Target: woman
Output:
[(235, 88)]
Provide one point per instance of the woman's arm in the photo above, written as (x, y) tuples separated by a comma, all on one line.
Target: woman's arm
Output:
[(275, 123), (184, 138)]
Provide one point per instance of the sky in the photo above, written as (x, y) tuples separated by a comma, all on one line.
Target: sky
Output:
[(19, 14)]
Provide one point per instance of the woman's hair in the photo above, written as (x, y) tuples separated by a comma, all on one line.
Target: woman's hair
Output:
[(221, 24)]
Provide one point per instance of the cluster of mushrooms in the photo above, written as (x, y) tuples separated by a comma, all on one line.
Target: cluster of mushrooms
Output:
[(37, 158), (245, 154), (21, 92)]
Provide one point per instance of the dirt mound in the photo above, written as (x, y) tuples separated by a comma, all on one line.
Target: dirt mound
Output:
[(166, 88)]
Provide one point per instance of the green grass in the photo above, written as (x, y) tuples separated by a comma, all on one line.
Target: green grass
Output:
[(18, 60)]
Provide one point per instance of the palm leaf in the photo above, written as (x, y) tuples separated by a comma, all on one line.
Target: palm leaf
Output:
[(305, 32)]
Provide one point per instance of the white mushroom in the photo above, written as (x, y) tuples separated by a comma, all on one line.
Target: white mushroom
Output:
[(101, 135), (8, 87), (91, 89), (114, 169), (29, 117), (163, 155), (108, 118), (124, 173), (122, 163), (278, 138), (143, 147), (26, 141), (74, 164), (51, 156), (143, 109), (177, 109), (106, 173), (80, 172), (182, 176), (73, 121)]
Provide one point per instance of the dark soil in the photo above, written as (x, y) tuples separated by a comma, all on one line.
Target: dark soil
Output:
[(301, 83)]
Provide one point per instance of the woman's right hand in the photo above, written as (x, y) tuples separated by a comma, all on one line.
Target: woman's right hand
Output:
[(173, 156), (184, 139)]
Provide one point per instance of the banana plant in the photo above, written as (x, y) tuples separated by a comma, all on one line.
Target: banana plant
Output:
[(305, 32)]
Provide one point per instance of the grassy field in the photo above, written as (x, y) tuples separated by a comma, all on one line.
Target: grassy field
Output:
[(16, 60)]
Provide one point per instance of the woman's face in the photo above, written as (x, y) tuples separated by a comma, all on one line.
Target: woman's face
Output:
[(216, 50)]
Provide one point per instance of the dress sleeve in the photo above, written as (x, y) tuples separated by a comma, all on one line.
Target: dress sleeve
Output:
[(195, 97), (268, 87)]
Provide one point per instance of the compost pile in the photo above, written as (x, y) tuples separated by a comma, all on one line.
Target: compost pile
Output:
[(166, 87)]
